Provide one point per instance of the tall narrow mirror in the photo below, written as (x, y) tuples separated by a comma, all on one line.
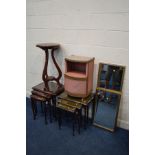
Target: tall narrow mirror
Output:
[(108, 95)]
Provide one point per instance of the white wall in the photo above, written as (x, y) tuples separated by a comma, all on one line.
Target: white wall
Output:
[(95, 28)]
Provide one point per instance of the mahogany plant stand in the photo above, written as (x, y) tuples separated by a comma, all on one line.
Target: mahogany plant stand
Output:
[(47, 90)]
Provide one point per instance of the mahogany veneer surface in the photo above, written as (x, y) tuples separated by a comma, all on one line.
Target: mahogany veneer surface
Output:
[(52, 89), (48, 46)]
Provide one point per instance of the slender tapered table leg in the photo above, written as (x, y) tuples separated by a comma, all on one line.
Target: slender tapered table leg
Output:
[(45, 110), (50, 110), (33, 108), (59, 118)]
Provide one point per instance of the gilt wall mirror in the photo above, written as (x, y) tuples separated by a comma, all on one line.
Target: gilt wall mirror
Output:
[(108, 95)]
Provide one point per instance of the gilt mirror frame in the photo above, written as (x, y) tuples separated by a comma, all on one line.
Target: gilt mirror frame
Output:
[(117, 92)]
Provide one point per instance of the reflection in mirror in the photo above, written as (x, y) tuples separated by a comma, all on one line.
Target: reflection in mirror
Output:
[(110, 77), (106, 109), (108, 95)]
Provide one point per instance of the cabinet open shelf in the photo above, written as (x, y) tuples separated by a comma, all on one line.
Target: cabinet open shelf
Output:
[(75, 67)]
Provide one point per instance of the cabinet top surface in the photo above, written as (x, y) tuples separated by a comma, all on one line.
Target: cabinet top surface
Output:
[(83, 101), (48, 45), (75, 58)]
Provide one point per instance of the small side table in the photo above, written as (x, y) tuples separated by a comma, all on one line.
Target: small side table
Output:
[(85, 103), (43, 101), (53, 91), (71, 107)]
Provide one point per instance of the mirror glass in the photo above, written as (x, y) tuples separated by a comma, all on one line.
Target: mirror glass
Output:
[(106, 109), (110, 76), (108, 95)]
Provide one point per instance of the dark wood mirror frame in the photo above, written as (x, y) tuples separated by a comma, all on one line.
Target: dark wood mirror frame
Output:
[(104, 89)]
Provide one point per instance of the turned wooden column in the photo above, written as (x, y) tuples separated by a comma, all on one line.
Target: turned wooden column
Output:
[(52, 48)]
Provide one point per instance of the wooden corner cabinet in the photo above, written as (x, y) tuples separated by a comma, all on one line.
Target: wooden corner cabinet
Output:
[(78, 77)]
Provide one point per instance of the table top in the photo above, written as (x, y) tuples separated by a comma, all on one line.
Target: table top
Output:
[(83, 101), (69, 103), (75, 58), (52, 89), (48, 45), (66, 107)]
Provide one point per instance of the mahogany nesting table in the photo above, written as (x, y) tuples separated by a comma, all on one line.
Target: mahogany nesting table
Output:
[(47, 90)]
